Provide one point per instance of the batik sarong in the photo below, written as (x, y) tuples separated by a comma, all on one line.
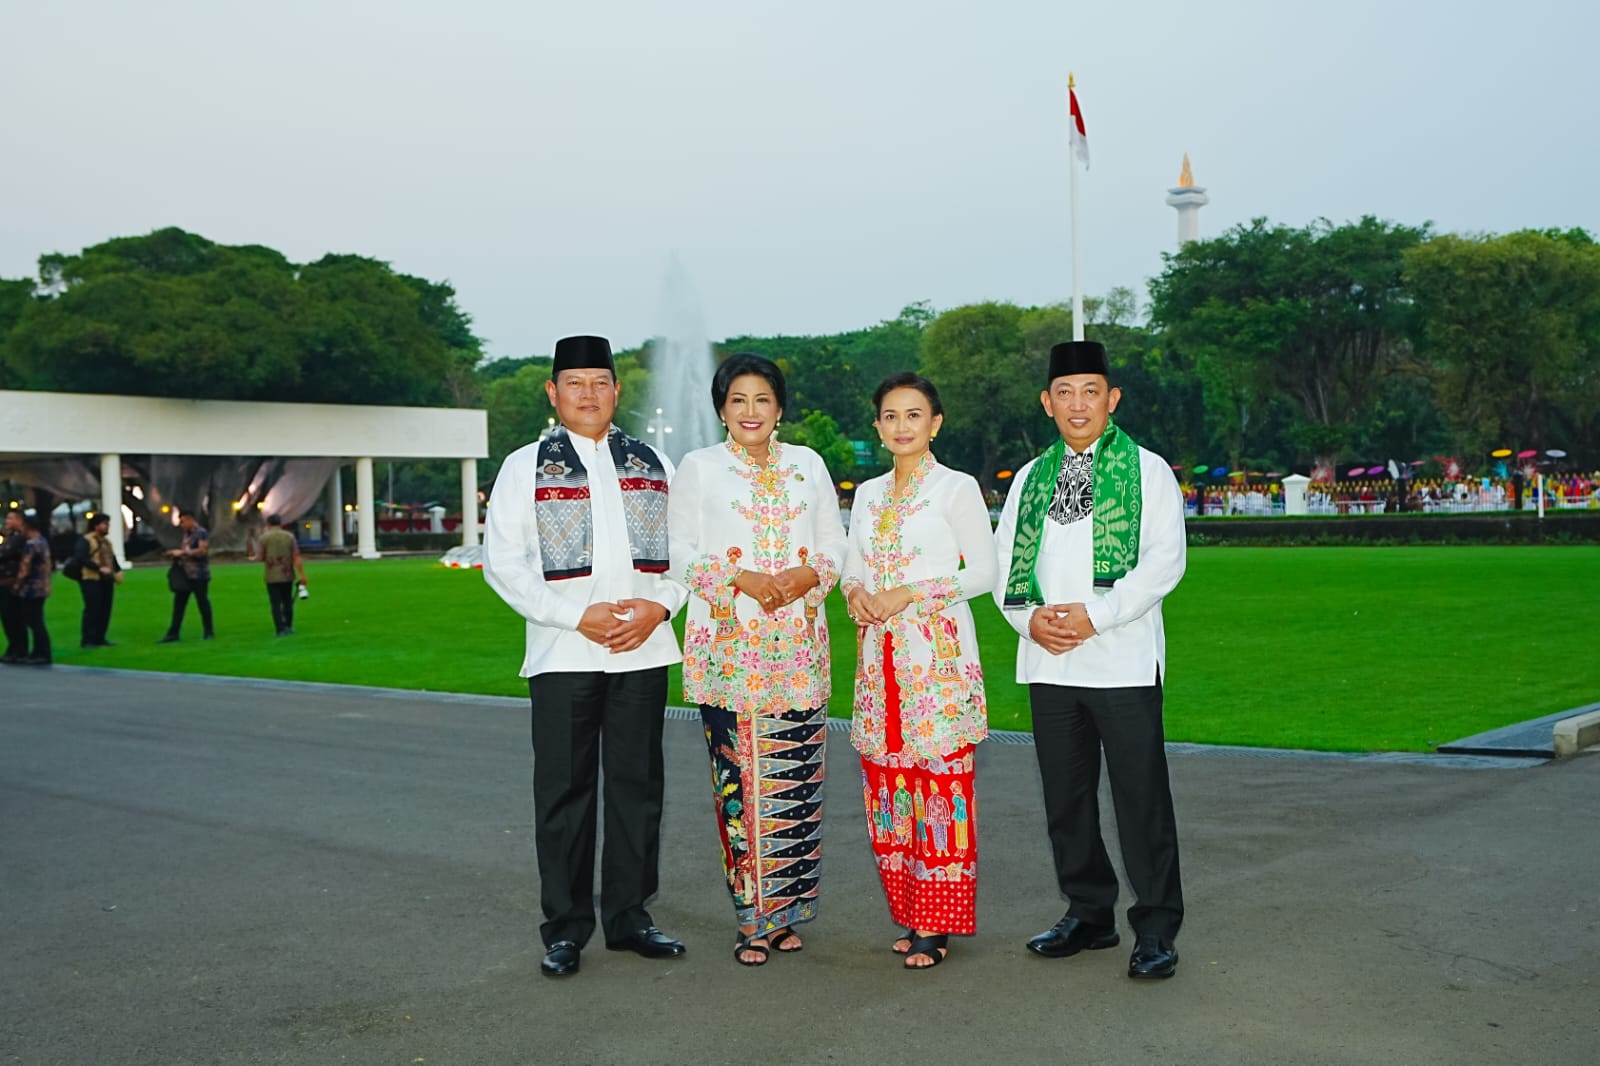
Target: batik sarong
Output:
[(766, 779), (922, 822)]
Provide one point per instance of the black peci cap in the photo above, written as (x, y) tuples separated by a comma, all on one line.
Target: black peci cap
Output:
[(1079, 357)]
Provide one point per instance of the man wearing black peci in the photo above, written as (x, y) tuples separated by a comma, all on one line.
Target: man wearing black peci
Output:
[(1089, 543), (576, 543)]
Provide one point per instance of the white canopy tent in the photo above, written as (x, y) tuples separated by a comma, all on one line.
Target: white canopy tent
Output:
[(48, 425)]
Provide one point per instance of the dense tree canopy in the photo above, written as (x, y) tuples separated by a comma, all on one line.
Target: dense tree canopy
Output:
[(1318, 315), (1266, 347), (173, 314), (1512, 327)]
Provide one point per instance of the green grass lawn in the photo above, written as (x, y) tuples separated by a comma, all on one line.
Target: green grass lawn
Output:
[(1340, 649)]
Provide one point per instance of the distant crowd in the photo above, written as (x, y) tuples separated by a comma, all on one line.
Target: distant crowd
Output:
[(28, 573)]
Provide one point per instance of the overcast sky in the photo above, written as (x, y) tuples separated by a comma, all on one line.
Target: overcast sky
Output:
[(815, 166)]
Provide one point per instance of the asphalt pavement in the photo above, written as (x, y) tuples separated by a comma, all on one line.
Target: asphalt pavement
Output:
[(223, 871)]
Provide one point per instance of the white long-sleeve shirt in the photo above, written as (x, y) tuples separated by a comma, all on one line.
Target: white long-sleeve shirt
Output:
[(513, 567), (1129, 647)]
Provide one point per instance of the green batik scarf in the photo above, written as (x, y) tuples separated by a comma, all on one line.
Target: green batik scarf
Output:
[(1118, 502)]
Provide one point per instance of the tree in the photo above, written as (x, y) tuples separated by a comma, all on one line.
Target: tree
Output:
[(1318, 315), (978, 357), (518, 411), (1161, 405), (1119, 307), (173, 314), (15, 295), (821, 434), (367, 337), (1513, 325)]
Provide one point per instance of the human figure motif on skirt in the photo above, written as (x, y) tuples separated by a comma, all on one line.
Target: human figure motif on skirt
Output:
[(959, 816), (885, 817), (938, 815)]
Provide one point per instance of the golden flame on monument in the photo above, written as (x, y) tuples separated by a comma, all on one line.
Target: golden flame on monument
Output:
[(1186, 178)]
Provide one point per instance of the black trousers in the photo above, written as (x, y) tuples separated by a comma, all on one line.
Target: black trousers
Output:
[(1071, 728), (280, 594), (200, 590), (97, 600), (11, 622), (32, 615), (581, 721)]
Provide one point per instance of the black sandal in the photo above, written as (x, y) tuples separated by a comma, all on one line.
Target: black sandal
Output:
[(746, 943), (936, 947), (782, 937), (908, 936)]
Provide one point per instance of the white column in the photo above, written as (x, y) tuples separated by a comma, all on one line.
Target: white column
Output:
[(1294, 494), (1188, 201), (333, 529), (366, 512), (111, 501), (469, 503)]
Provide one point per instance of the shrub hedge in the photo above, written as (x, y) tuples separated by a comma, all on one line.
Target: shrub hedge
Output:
[(1381, 530)]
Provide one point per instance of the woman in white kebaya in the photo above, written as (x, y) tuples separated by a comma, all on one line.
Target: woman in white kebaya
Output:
[(754, 532), (920, 547)]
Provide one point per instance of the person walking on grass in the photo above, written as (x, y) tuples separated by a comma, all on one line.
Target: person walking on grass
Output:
[(576, 543), (190, 576), (280, 554), (1090, 541)]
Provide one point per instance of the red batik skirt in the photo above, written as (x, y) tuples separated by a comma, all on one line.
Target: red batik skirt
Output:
[(922, 822)]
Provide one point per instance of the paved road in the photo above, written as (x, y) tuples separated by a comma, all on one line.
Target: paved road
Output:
[(200, 871)]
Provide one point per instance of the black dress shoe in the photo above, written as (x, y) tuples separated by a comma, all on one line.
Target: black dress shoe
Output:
[(36, 661), (1153, 957), (1071, 935), (170, 638), (650, 942), (561, 960)]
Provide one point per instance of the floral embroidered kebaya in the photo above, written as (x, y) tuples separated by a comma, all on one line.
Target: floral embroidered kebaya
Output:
[(920, 539), (731, 514)]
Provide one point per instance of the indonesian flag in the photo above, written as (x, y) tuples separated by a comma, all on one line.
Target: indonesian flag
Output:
[(1080, 138)]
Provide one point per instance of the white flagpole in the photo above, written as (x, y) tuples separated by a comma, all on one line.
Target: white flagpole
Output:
[(1077, 264)]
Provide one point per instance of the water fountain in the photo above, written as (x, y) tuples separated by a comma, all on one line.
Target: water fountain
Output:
[(681, 418)]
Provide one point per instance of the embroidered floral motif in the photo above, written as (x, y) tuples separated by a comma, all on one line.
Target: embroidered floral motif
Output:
[(771, 660), (943, 706)]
